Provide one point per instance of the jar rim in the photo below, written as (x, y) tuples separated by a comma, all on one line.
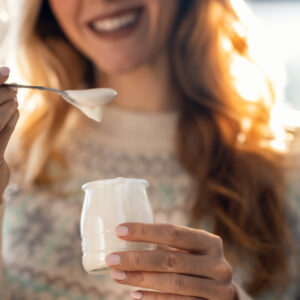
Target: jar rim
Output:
[(119, 180)]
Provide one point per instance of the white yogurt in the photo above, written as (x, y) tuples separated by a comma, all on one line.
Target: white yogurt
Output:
[(91, 101), (108, 203)]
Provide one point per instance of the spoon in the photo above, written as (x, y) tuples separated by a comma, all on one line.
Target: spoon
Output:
[(89, 101)]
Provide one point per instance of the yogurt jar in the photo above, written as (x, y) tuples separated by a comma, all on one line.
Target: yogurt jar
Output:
[(108, 203)]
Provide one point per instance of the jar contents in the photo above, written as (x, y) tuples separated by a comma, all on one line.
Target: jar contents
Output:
[(108, 203)]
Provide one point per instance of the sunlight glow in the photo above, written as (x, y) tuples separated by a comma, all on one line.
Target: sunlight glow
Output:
[(250, 79), (243, 12)]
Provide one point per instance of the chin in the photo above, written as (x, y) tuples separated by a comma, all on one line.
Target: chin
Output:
[(119, 67)]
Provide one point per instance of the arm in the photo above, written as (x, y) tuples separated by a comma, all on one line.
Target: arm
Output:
[(8, 119)]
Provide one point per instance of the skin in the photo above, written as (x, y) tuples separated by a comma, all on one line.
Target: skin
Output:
[(141, 58), (188, 263), (8, 118)]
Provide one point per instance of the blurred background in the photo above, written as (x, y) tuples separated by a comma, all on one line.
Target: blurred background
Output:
[(280, 23), (280, 20)]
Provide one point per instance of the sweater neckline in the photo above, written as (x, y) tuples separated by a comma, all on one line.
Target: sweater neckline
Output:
[(153, 130)]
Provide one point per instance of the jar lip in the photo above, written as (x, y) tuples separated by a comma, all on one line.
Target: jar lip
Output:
[(119, 180)]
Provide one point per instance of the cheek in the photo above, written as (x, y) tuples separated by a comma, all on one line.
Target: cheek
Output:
[(65, 12), (162, 17)]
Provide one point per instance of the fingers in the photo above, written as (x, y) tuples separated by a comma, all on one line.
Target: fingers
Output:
[(7, 94), (7, 110), (171, 235), (4, 73), (145, 295), (177, 284), (7, 131), (209, 266)]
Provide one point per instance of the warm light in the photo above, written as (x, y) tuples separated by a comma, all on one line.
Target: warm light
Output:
[(249, 82), (283, 118), (250, 79), (226, 44), (243, 12)]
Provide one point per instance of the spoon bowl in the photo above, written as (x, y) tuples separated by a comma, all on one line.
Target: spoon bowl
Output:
[(89, 101)]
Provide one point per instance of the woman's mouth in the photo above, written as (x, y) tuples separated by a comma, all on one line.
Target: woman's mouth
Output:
[(118, 24)]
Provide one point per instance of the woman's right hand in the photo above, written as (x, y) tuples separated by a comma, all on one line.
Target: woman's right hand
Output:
[(9, 115)]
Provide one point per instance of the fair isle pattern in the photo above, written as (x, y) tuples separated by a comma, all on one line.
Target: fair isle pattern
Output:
[(41, 244)]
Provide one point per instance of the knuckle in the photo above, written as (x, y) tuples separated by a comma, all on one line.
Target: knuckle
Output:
[(170, 261), (135, 258), (225, 271), (173, 233), (227, 292), (177, 282), (137, 278), (218, 242)]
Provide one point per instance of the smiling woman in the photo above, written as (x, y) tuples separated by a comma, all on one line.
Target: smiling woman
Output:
[(180, 121), (117, 36)]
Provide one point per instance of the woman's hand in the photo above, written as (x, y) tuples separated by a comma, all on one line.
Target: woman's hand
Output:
[(8, 118), (193, 267)]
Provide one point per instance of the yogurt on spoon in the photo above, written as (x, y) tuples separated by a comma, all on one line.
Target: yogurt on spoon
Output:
[(90, 101)]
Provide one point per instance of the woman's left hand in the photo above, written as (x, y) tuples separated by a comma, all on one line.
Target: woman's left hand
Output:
[(193, 267)]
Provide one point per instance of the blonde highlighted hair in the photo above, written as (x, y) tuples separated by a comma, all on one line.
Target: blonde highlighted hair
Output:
[(224, 140)]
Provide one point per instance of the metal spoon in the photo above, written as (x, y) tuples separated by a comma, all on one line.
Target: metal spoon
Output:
[(105, 94)]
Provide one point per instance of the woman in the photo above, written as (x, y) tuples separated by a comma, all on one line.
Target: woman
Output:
[(179, 121)]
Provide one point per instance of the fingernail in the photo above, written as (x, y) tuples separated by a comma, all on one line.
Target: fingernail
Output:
[(118, 275), (4, 71), (137, 295), (121, 230), (113, 259)]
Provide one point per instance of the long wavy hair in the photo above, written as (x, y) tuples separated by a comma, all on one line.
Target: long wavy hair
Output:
[(224, 140)]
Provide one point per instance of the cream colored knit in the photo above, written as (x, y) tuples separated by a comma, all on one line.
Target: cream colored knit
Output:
[(41, 245)]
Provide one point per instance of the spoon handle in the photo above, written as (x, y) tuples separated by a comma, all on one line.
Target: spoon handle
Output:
[(33, 87)]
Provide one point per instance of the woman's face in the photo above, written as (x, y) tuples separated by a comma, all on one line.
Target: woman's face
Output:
[(117, 35)]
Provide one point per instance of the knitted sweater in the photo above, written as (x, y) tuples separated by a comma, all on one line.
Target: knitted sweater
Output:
[(41, 242)]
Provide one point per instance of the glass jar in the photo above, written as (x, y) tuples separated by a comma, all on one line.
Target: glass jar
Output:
[(108, 203)]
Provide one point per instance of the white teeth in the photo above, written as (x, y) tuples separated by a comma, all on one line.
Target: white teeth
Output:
[(115, 23)]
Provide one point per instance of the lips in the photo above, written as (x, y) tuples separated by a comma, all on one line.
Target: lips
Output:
[(117, 21)]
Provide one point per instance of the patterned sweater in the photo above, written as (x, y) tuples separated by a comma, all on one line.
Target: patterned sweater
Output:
[(41, 242)]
